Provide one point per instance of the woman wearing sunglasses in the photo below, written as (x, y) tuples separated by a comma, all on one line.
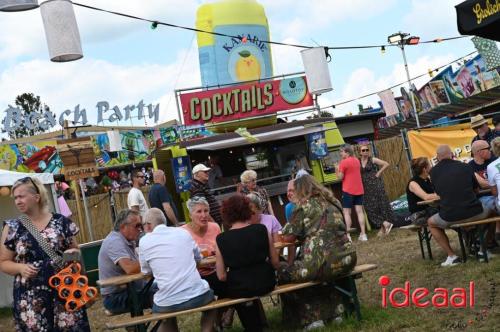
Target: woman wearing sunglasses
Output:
[(37, 307), (376, 202)]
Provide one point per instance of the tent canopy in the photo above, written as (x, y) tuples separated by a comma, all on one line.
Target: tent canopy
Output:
[(7, 178), (480, 18)]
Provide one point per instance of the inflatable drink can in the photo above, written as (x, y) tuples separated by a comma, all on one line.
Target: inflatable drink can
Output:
[(225, 60)]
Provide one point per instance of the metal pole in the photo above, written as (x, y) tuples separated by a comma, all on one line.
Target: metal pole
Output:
[(86, 209), (402, 46)]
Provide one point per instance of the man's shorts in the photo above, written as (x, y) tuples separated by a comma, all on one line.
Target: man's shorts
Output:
[(441, 223), (348, 200), (195, 302)]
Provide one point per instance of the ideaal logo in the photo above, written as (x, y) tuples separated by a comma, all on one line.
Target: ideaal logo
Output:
[(422, 297), (440, 298)]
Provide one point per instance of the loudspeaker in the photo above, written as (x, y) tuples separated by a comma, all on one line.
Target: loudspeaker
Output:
[(316, 67)]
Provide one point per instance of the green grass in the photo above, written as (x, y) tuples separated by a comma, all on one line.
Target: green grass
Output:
[(5, 312)]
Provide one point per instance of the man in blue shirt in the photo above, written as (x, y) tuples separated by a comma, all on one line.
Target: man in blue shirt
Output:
[(160, 198)]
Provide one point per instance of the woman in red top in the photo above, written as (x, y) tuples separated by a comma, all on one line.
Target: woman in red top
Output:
[(349, 172)]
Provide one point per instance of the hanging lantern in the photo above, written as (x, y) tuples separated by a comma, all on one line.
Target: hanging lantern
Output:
[(4, 191), (61, 30), (17, 5), (316, 68)]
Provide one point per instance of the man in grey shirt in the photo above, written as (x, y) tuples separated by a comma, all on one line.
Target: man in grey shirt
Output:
[(117, 257)]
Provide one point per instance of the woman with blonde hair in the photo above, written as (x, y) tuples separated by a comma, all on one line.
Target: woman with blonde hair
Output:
[(249, 185), (376, 203), (318, 223), (37, 307)]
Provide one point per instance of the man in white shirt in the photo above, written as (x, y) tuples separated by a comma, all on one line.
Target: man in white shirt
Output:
[(170, 254), (493, 171), (135, 198)]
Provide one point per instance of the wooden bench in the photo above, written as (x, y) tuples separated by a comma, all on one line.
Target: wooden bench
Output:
[(423, 234), (480, 232), (350, 293)]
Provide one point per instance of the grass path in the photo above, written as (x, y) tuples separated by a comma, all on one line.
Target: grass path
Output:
[(398, 256)]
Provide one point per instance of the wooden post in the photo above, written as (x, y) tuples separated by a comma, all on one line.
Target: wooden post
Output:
[(76, 190)]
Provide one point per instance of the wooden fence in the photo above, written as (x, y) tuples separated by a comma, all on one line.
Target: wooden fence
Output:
[(398, 174), (100, 213)]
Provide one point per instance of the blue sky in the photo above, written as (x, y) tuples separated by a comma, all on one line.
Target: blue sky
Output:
[(125, 61)]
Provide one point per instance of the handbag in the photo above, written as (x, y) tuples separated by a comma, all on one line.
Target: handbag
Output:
[(420, 218), (70, 284)]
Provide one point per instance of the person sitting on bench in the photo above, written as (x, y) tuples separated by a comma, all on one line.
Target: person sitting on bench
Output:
[(494, 181), (327, 253), (170, 254), (245, 259), (456, 184)]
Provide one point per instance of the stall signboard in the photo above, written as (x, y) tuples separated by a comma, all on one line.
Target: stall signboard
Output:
[(181, 167), (245, 101), (424, 142), (37, 157), (317, 145), (78, 158)]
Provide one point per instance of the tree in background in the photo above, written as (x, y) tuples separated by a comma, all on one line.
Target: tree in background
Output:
[(28, 103), (322, 114)]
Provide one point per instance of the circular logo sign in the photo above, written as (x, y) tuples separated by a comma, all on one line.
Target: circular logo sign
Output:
[(293, 90)]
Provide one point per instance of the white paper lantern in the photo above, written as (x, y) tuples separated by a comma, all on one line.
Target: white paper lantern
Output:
[(317, 73), (61, 30), (17, 5)]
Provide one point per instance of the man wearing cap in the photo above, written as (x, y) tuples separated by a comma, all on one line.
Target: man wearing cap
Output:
[(199, 187), (480, 125)]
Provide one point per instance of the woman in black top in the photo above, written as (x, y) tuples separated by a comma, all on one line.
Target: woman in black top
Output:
[(245, 259), (420, 187)]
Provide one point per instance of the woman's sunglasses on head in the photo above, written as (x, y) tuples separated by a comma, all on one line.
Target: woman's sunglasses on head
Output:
[(28, 179)]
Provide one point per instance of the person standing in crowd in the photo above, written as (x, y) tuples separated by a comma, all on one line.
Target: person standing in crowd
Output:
[(349, 171), (117, 257), (135, 198), (318, 223), (482, 157), (290, 206), (249, 185), (180, 286), (420, 188), (480, 125), (378, 207), (494, 182), (259, 217), (160, 198), (215, 173), (496, 123), (245, 260), (37, 307), (199, 187), (456, 184)]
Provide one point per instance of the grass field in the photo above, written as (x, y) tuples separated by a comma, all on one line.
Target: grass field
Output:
[(398, 256)]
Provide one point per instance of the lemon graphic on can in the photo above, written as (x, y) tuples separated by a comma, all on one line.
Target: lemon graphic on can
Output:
[(247, 66)]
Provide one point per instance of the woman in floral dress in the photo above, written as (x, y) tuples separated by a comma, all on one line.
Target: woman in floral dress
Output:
[(37, 307), (318, 223)]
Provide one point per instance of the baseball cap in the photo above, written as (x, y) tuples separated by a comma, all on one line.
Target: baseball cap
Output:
[(199, 168)]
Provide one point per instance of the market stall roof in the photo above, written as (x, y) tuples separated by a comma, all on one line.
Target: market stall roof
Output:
[(264, 134), (480, 18), (484, 101), (7, 178)]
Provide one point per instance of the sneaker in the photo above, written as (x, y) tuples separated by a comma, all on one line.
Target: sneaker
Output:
[(451, 261), (481, 255), (363, 238), (314, 325)]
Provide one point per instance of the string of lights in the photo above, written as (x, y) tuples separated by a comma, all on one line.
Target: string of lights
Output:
[(155, 24), (391, 87)]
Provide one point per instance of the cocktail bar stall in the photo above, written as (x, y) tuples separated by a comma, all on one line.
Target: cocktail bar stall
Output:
[(249, 133)]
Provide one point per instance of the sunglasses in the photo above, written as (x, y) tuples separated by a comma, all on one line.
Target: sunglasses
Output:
[(364, 150), (137, 226), (28, 179), (140, 176)]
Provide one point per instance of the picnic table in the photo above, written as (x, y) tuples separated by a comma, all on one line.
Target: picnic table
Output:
[(136, 306), (435, 201)]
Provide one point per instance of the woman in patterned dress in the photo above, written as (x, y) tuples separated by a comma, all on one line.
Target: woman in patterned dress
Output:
[(37, 307), (375, 199), (318, 223)]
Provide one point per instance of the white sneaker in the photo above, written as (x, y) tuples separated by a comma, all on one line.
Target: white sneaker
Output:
[(314, 325), (363, 238), (451, 261), (481, 255)]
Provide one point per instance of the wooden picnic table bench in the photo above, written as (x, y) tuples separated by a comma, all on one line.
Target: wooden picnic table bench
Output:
[(350, 293), (423, 234)]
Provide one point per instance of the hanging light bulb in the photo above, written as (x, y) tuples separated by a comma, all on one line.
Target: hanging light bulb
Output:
[(154, 25), (382, 50)]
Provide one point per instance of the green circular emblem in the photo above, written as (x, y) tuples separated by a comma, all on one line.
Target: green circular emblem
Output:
[(293, 90)]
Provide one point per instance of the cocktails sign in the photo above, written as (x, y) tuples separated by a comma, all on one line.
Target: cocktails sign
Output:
[(245, 101)]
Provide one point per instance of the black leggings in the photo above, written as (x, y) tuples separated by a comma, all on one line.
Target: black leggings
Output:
[(250, 316)]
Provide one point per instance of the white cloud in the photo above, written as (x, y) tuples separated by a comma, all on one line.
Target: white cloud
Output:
[(64, 85)]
